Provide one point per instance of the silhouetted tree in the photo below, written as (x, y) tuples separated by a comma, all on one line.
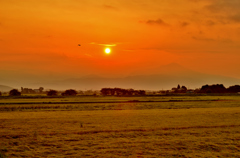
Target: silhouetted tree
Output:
[(104, 91), (41, 89), (69, 92), (184, 88), (234, 89), (14, 92), (218, 88), (131, 92), (178, 87), (52, 93), (80, 92), (112, 91), (124, 92), (119, 91), (142, 92)]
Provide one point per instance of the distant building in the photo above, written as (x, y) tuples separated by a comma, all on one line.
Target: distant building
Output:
[(31, 91), (179, 89), (190, 91), (36, 90)]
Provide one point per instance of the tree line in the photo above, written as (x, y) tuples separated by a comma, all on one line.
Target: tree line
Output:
[(104, 91), (120, 91), (216, 88), (72, 92), (69, 92), (219, 88)]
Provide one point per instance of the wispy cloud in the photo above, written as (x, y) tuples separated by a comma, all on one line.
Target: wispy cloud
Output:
[(88, 55), (227, 10), (235, 18), (108, 45), (202, 38), (184, 24), (155, 22), (105, 44), (222, 40), (110, 7), (210, 23), (224, 5)]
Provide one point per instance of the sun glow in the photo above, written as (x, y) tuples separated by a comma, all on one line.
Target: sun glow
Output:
[(107, 50)]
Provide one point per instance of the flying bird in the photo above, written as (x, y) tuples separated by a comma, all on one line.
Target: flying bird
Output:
[(79, 44)]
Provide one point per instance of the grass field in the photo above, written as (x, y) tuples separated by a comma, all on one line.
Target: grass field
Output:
[(180, 126)]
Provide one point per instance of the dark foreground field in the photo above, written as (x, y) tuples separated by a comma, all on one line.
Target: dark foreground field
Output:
[(121, 127)]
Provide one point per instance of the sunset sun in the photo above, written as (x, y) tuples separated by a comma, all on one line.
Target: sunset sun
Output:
[(107, 50)]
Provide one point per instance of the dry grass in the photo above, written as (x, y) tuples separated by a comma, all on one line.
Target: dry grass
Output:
[(196, 132), (117, 103)]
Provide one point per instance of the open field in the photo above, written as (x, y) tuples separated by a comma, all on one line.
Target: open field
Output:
[(200, 126), (116, 103)]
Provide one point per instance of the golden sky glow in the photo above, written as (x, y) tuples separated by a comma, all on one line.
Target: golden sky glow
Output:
[(43, 36)]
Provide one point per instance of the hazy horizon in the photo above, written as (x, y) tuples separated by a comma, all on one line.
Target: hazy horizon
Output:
[(165, 78)]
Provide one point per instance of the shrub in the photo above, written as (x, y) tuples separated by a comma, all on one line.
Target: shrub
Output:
[(52, 93), (14, 92), (69, 92), (234, 89)]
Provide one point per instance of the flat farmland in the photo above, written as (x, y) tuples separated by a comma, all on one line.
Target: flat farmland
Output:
[(180, 126)]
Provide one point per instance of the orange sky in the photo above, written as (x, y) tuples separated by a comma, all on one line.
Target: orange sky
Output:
[(42, 37)]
